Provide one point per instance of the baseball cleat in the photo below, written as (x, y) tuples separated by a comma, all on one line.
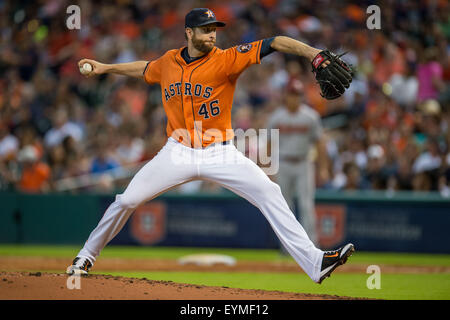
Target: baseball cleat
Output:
[(80, 266), (333, 259)]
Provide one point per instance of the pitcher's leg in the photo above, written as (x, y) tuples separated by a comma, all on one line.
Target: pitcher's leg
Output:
[(249, 181), (158, 175), (113, 220)]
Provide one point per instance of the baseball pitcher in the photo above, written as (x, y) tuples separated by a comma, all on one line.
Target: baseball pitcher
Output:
[(197, 85)]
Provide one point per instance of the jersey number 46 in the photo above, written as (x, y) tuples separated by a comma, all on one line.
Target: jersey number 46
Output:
[(213, 111)]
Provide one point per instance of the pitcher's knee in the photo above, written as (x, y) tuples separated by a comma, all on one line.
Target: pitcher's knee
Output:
[(276, 188), (126, 202), (271, 188)]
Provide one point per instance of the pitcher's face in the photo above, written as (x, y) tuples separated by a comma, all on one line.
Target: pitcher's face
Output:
[(204, 38)]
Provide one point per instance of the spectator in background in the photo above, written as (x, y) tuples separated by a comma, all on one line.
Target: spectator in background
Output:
[(77, 165), (375, 171), (35, 173), (9, 144), (28, 135), (62, 128), (389, 60), (131, 147), (405, 87), (71, 147), (403, 175), (9, 172), (103, 161), (47, 104), (101, 166), (57, 161), (355, 152), (429, 74), (428, 164), (354, 179)]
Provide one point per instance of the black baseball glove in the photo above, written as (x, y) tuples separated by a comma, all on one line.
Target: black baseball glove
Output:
[(335, 77)]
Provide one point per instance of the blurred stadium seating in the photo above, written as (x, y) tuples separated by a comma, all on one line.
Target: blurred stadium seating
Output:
[(390, 131)]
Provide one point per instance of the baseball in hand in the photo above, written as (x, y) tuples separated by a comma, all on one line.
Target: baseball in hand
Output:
[(86, 68)]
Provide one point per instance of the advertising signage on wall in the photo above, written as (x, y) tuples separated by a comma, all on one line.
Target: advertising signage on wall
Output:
[(371, 226), (408, 224)]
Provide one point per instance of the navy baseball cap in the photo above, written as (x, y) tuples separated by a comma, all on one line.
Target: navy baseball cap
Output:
[(201, 17)]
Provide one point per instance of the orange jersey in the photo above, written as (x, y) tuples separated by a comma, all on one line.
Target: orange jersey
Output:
[(197, 97)]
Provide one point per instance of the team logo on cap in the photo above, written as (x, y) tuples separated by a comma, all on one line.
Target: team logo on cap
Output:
[(243, 48), (210, 14)]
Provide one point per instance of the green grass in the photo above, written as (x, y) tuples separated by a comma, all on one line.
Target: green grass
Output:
[(136, 252), (393, 286), (239, 254)]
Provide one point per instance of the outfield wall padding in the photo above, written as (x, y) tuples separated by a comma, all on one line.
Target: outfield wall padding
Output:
[(373, 221)]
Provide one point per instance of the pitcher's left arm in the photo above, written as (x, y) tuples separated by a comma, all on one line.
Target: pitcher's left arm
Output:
[(332, 73)]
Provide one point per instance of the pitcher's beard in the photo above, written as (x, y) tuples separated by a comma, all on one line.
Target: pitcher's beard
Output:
[(202, 46)]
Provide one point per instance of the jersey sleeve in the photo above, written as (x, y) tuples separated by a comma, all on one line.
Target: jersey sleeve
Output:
[(152, 72), (241, 57), (266, 48)]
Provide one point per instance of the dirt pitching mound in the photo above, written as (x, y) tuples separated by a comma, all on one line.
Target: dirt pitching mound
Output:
[(51, 286)]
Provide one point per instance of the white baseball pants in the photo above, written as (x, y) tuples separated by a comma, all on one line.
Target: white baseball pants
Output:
[(224, 164)]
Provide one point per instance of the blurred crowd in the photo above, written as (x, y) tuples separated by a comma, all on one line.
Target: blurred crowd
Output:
[(390, 131)]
